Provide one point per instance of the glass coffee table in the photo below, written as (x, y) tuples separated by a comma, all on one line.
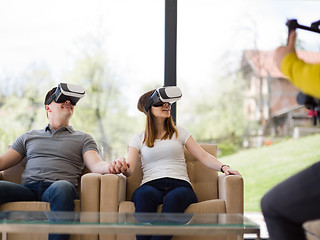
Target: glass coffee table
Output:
[(126, 223)]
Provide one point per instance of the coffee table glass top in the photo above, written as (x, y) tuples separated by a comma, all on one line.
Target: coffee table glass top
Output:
[(93, 218)]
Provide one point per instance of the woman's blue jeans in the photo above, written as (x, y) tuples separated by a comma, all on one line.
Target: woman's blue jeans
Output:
[(175, 195), (60, 194)]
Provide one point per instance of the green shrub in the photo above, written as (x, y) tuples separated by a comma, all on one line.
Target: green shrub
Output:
[(227, 148)]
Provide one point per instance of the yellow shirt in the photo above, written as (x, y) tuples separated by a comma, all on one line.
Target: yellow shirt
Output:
[(303, 75)]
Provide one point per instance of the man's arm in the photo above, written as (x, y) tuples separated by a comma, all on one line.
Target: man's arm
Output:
[(283, 51), (94, 162), (304, 76), (9, 159), (96, 165)]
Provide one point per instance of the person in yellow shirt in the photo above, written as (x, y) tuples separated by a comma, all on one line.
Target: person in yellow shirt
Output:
[(296, 200), (303, 75)]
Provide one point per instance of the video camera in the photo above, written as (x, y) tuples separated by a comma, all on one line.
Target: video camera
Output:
[(293, 25), (311, 103)]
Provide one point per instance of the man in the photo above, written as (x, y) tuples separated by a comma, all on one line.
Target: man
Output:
[(296, 200), (55, 159)]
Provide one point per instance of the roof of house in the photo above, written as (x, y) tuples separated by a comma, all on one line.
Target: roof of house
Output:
[(286, 110), (262, 63)]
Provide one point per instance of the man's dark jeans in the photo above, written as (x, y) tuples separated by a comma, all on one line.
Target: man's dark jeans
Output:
[(291, 203), (60, 194)]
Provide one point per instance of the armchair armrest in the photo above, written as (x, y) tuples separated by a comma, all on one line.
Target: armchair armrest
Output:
[(90, 192), (231, 191), (113, 191)]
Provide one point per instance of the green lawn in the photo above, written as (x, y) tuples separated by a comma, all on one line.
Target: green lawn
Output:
[(264, 167)]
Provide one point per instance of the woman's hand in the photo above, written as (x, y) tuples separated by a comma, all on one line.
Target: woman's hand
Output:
[(119, 166), (228, 171)]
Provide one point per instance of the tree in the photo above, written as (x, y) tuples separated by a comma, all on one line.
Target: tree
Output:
[(21, 100), (35, 82), (219, 117), (102, 111)]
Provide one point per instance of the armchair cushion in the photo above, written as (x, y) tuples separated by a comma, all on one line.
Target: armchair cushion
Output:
[(31, 206), (208, 206)]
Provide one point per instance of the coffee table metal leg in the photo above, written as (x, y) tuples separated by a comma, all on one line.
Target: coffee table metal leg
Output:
[(4, 236), (258, 236)]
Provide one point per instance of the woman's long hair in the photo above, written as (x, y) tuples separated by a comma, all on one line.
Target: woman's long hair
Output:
[(150, 130)]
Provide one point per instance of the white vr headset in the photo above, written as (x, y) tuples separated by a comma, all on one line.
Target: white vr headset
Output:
[(67, 91), (163, 95)]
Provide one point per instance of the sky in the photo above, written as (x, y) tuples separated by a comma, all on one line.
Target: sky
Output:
[(211, 36)]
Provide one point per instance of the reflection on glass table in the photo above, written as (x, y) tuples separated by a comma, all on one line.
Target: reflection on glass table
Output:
[(124, 223)]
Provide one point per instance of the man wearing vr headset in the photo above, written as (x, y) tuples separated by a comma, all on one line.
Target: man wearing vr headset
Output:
[(165, 179), (56, 156), (296, 200)]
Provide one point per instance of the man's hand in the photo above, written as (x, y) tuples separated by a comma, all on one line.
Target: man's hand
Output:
[(282, 51), (119, 166)]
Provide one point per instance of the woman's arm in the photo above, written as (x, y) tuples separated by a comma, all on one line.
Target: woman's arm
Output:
[(123, 166), (207, 159), (132, 158)]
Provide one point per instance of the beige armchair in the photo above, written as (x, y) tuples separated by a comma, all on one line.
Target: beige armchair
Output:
[(88, 190), (216, 193)]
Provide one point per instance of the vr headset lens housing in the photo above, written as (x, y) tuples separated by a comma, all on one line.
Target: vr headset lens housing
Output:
[(163, 95), (67, 91), (160, 104)]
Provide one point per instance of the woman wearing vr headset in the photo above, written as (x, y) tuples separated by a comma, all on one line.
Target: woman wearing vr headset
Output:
[(165, 179)]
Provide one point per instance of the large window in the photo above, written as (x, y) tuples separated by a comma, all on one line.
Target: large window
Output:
[(43, 43)]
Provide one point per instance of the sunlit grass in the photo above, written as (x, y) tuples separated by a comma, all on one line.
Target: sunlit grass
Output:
[(263, 168)]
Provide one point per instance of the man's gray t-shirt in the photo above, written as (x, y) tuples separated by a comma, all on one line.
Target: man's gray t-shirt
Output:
[(53, 155)]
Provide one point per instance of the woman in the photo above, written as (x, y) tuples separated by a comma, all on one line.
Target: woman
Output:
[(165, 179)]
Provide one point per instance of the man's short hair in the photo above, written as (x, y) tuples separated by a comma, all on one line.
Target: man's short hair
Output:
[(49, 94)]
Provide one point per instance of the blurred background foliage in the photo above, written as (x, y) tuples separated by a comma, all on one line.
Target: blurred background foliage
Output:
[(214, 118), (114, 49), (101, 112)]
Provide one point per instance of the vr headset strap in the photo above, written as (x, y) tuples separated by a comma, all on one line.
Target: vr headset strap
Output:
[(150, 102)]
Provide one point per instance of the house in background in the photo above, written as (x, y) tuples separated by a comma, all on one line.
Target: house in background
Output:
[(271, 100)]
